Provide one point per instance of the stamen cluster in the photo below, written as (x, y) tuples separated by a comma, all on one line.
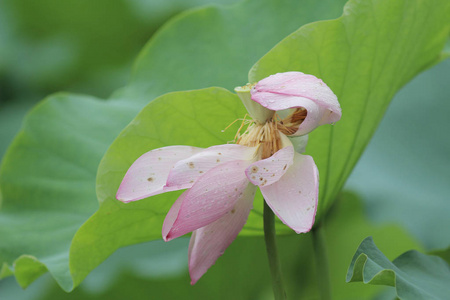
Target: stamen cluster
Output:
[(290, 124), (267, 135)]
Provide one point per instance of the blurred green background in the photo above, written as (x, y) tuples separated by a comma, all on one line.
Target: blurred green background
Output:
[(76, 46), (399, 188)]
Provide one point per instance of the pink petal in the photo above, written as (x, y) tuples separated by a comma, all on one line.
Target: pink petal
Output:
[(187, 171), (295, 89), (148, 174), (209, 242), (295, 84), (172, 215), (212, 196), (293, 198), (267, 171)]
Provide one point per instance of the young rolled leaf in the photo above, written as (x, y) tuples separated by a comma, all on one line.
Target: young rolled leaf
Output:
[(47, 182), (414, 275)]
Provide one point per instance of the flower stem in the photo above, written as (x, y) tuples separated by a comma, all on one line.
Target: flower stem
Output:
[(272, 253), (321, 260)]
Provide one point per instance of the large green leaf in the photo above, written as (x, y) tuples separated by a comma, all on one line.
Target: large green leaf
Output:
[(48, 185), (413, 170), (365, 57), (48, 175), (216, 46), (11, 115), (78, 44), (413, 274), (229, 280)]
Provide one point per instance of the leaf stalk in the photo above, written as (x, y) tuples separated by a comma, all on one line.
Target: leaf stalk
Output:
[(272, 253), (321, 261)]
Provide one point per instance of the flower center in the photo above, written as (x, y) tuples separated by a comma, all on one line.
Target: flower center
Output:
[(264, 135), (267, 135), (290, 124)]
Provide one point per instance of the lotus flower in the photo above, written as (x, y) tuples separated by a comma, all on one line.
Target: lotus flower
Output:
[(221, 181)]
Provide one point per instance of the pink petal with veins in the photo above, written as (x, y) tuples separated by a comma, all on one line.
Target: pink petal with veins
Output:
[(295, 89), (212, 196), (209, 242), (148, 174), (294, 197), (316, 115), (172, 216), (187, 171), (267, 171), (299, 85)]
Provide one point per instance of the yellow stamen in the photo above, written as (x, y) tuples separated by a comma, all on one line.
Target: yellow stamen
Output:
[(267, 136)]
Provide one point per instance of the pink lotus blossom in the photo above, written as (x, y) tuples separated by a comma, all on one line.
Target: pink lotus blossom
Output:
[(221, 181)]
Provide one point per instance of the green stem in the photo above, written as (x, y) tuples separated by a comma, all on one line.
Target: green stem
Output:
[(272, 253), (321, 259)]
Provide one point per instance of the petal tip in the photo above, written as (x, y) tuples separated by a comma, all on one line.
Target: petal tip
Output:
[(194, 280), (173, 234), (121, 198), (196, 273), (167, 237), (167, 234), (303, 230)]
